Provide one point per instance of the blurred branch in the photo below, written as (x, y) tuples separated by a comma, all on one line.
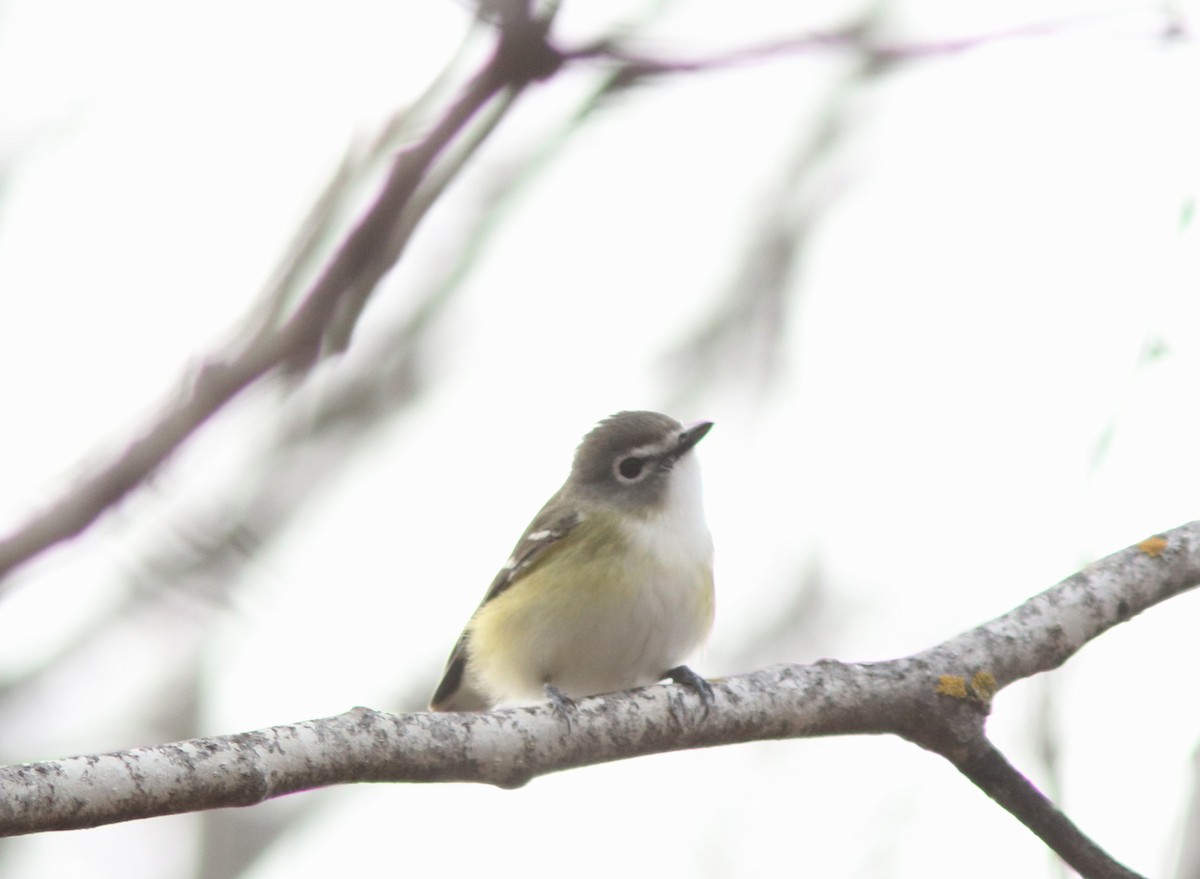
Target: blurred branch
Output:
[(312, 437), (745, 331), (299, 260), (372, 247), (854, 37), (324, 320), (938, 699), (747, 327)]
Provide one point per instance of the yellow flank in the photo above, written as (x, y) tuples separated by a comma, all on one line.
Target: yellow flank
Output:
[(598, 612)]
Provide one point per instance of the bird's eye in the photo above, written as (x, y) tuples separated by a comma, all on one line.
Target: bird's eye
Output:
[(630, 468)]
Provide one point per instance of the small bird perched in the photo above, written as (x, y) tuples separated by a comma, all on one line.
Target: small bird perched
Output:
[(609, 588)]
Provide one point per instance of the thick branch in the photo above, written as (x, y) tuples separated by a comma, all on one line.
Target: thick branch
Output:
[(938, 698), (505, 748), (1050, 628)]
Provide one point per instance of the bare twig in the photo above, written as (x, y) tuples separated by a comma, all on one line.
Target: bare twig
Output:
[(938, 699)]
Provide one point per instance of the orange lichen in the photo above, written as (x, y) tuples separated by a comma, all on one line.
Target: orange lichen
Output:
[(953, 686), (1153, 546), (981, 687), (984, 686)]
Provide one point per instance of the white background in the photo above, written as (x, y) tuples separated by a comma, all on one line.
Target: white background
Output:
[(985, 378)]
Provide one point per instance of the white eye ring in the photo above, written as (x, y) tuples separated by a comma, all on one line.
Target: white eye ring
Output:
[(631, 468)]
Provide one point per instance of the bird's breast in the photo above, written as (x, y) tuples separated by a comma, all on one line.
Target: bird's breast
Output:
[(613, 608)]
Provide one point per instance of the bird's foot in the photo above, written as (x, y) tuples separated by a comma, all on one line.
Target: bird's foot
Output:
[(685, 677), (564, 705)]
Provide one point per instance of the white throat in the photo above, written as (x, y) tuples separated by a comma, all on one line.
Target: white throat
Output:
[(677, 533)]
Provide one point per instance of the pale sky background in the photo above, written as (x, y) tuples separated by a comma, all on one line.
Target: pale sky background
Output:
[(987, 379)]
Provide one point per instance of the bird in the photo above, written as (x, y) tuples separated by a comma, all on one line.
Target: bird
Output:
[(610, 587)]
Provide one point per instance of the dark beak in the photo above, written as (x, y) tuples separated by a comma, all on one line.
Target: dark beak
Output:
[(691, 435)]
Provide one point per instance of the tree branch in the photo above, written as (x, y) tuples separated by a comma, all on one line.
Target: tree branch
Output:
[(856, 37), (938, 698), (1000, 780), (369, 251)]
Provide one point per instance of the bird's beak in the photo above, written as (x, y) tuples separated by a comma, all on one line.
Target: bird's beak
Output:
[(691, 435)]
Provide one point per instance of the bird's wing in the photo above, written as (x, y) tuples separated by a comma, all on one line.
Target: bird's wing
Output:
[(546, 529)]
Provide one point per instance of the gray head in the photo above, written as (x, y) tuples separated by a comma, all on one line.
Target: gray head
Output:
[(627, 458)]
